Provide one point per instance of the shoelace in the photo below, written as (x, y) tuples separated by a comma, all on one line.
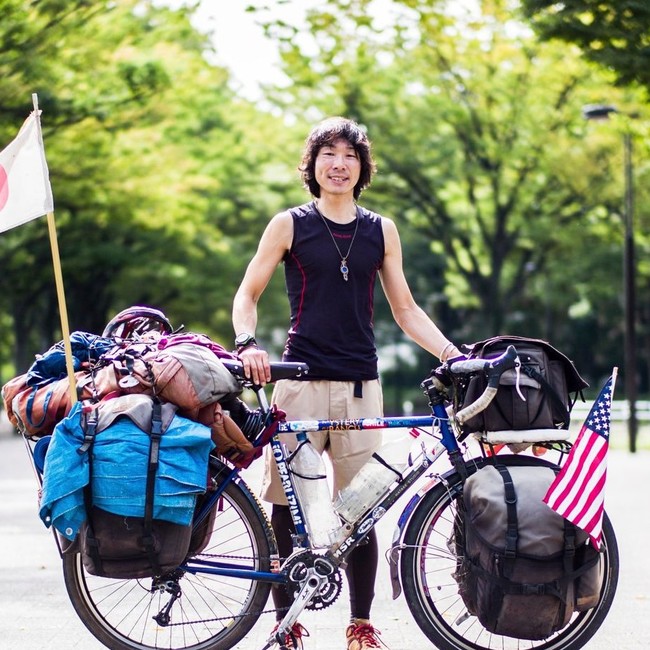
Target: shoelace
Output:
[(294, 638), (366, 634)]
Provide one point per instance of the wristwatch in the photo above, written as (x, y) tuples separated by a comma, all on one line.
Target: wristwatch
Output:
[(244, 340)]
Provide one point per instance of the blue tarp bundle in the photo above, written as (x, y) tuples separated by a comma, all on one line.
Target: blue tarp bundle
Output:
[(52, 365), (119, 465)]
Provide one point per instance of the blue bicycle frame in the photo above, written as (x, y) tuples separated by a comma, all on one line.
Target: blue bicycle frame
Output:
[(338, 552)]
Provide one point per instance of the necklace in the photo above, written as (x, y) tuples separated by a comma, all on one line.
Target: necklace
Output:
[(344, 258)]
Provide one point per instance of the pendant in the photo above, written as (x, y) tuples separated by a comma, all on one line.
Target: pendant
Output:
[(344, 269)]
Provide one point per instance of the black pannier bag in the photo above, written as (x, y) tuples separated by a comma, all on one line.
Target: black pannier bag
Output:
[(548, 381), (114, 546), (523, 570)]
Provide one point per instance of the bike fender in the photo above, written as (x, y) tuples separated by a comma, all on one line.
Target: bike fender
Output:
[(396, 545), (398, 534)]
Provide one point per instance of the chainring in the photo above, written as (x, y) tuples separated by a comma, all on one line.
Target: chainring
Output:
[(296, 568)]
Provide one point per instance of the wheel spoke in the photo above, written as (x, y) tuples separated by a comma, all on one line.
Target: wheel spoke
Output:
[(210, 613), (429, 562)]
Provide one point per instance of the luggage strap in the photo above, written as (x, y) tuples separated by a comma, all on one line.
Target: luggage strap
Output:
[(512, 527), (558, 406), (147, 540), (555, 587)]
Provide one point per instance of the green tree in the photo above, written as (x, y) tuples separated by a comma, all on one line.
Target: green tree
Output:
[(615, 33), (148, 152), (481, 148)]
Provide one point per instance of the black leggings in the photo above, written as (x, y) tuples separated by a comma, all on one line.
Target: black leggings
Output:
[(361, 570)]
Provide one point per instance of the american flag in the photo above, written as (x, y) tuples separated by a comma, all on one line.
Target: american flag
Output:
[(578, 491)]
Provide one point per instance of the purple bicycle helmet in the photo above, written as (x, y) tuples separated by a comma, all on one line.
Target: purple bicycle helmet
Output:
[(136, 321)]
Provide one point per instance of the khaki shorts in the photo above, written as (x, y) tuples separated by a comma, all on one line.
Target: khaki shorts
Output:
[(347, 451)]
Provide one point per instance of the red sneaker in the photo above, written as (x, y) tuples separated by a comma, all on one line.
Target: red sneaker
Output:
[(361, 636), (292, 640)]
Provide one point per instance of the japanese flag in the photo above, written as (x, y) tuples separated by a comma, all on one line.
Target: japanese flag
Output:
[(25, 191)]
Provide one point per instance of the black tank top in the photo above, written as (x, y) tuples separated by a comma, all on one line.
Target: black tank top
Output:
[(331, 319)]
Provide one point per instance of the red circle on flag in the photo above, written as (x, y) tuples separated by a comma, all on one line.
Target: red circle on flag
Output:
[(4, 187)]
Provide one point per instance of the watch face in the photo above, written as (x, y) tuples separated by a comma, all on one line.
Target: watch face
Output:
[(244, 339)]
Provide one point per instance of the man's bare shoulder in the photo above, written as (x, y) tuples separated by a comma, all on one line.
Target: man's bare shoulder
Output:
[(388, 224), (279, 231), (282, 222), (282, 217), (391, 236)]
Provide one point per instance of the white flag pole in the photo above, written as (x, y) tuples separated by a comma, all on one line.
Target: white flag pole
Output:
[(58, 278)]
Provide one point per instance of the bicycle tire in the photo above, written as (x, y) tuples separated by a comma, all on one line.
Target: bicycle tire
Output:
[(213, 612), (429, 560)]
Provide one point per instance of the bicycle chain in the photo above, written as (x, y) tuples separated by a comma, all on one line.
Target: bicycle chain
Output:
[(226, 618), (297, 567), (231, 616), (321, 601)]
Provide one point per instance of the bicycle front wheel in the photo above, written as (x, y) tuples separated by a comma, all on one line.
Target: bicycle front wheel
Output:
[(429, 561), (210, 613)]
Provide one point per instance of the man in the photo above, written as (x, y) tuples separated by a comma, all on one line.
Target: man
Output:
[(332, 250)]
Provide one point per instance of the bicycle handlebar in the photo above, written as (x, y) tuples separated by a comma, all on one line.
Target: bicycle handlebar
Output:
[(279, 369), (493, 369)]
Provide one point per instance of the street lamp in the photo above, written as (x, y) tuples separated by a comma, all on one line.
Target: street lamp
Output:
[(602, 112)]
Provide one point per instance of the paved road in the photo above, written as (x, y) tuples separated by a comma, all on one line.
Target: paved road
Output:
[(35, 612)]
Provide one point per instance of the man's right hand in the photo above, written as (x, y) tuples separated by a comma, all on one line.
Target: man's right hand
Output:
[(256, 365)]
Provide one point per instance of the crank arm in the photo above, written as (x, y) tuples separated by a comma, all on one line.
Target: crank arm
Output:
[(312, 585)]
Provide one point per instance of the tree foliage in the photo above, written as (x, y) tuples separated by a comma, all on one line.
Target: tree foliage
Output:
[(612, 33), (508, 201), (150, 167), (482, 151)]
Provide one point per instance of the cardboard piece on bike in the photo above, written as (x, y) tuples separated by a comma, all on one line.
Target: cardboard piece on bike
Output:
[(524, 436)]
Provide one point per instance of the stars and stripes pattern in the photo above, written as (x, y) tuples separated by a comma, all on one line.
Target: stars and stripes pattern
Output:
[(578, 492)]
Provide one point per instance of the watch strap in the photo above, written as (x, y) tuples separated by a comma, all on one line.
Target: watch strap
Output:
[(244, 340)]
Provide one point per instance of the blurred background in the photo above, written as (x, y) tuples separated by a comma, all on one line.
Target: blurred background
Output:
[(510, 138)]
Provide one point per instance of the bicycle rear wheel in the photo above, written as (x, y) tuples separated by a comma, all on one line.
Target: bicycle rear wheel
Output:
[(429, 561), (211, 613)]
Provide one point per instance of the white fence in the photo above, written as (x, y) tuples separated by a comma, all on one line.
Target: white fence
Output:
[(620, 410)]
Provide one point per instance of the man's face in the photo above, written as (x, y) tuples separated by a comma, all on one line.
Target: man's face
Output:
[(337, 167)]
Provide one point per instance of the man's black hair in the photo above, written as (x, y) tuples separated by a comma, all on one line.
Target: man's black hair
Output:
[(325, 134)]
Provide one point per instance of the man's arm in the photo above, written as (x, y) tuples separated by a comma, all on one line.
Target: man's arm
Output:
[(411, 318), (274, 243)]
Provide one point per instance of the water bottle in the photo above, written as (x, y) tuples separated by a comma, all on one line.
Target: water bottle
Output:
[(310, 483), (374, 479)]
